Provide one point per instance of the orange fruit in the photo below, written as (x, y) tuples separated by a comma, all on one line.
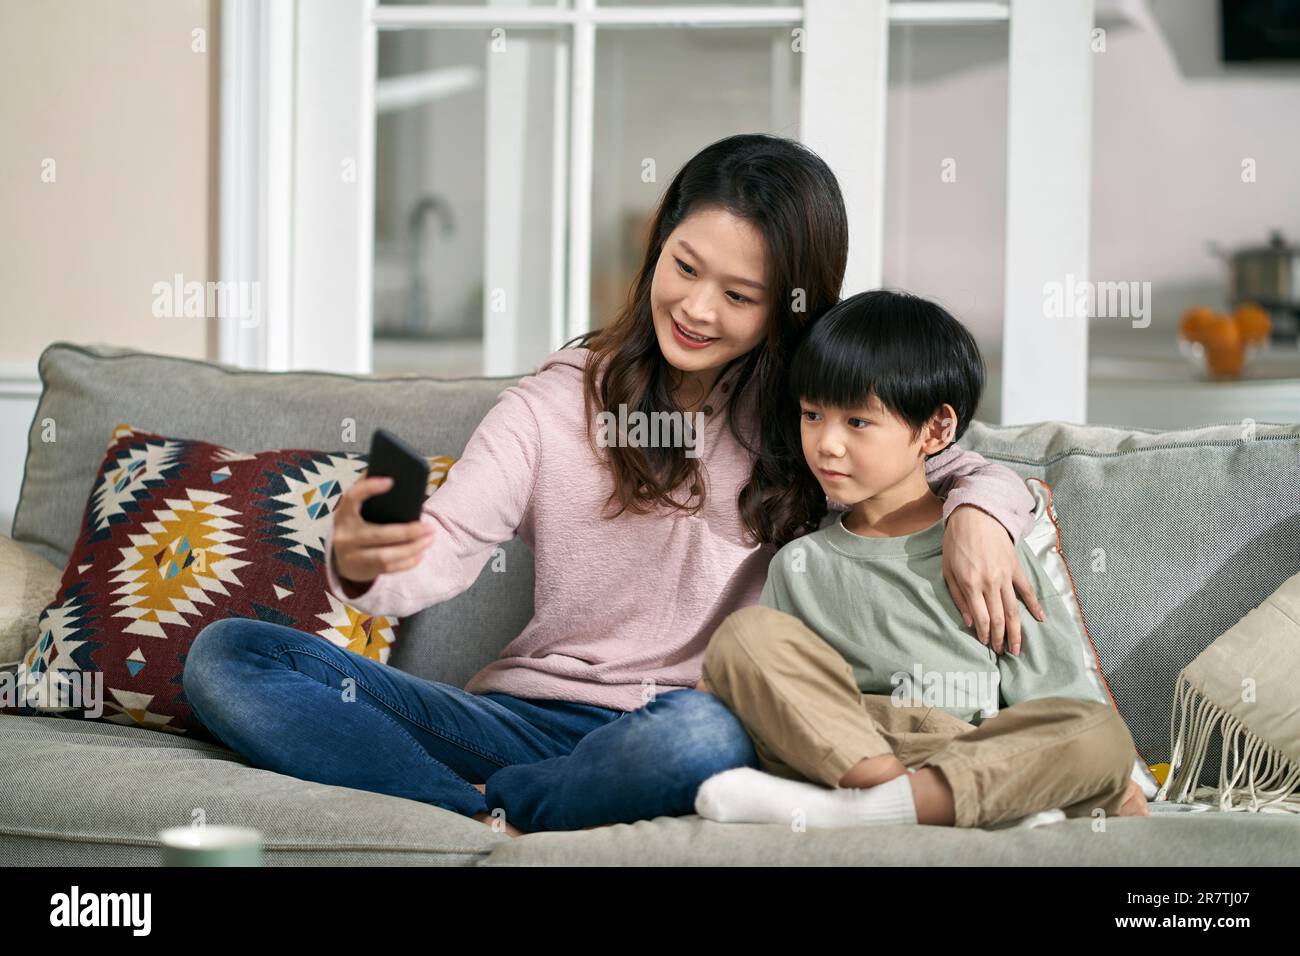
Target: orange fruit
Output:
[(1226, 362), (1196, 322), (1221, 334), (1224, 351), (1253, 321)]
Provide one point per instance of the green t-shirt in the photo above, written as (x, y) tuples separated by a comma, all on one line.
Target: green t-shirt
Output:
[(883, 604)]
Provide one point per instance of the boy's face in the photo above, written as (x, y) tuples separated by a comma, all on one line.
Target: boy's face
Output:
[(858, 453)]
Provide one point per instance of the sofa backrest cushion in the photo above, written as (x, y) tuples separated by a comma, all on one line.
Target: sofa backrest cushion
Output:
[(1171, 538)]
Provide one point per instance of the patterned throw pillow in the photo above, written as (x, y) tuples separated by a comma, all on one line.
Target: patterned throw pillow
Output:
[(178, 534)]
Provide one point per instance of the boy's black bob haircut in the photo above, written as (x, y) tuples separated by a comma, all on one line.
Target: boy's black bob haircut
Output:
[(908, 350)]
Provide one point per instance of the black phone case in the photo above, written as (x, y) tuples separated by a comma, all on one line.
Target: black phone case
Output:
[(393, 458)]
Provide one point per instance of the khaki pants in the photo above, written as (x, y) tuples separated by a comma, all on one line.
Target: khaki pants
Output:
[(801, 705)]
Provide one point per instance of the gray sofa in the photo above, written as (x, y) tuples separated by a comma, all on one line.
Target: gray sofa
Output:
[(1195, 527)]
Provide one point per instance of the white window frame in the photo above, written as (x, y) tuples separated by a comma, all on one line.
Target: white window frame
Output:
[(298, 110)]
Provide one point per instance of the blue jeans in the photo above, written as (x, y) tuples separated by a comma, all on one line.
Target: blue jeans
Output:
[(294, 703)]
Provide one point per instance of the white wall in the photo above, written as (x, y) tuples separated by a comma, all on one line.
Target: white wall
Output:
[(1171, 126), (115, 95)]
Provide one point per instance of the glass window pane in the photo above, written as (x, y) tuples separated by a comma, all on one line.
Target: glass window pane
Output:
[(463, 198), (662, 95)]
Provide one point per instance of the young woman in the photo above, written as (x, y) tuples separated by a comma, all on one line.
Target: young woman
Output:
[(591, 715)]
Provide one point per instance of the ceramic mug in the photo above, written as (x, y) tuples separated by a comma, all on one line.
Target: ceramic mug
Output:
[(211, 846)]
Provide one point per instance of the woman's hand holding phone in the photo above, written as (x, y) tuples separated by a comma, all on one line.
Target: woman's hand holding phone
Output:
[(362, 549)]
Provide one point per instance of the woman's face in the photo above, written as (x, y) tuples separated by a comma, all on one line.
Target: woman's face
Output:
[(710, 280)]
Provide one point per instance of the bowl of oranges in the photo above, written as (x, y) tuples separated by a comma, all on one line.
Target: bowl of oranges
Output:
[(1221, 344)]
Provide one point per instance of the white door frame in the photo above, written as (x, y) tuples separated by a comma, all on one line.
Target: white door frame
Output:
[(255, 177), (297, 183), (1049, 172)]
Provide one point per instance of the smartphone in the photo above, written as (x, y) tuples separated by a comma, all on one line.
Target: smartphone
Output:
[(390, 457)]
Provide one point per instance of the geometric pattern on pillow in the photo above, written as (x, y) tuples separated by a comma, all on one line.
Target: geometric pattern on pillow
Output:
[(176, 534)]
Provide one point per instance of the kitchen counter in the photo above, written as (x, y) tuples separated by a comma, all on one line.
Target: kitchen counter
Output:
[(1139, 378)]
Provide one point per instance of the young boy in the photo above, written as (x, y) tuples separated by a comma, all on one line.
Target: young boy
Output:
[(854, 672)]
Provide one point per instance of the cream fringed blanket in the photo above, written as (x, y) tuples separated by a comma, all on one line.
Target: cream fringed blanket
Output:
[(1247, 686)]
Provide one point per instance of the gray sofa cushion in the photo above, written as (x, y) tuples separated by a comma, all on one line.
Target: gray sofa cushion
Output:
[(1167, 839), (91, 793), (88, 793)]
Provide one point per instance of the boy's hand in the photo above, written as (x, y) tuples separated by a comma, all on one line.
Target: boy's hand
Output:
[(984, 576)]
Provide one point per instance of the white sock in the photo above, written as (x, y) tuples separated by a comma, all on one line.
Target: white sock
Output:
[(1041, 818), (746, 795)]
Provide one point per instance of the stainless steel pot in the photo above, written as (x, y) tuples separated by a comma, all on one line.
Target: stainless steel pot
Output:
[(1269, 275)]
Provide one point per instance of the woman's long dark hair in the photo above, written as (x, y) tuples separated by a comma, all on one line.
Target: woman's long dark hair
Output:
[(792, 198)]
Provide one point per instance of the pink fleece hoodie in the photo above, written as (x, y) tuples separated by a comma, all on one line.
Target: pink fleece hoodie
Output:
[(623, 607)]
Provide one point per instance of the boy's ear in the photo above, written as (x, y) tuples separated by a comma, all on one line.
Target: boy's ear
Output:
[(941, 430)]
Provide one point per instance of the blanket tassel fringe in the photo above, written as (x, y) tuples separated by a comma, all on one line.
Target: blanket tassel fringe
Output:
[(1256, 777)]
